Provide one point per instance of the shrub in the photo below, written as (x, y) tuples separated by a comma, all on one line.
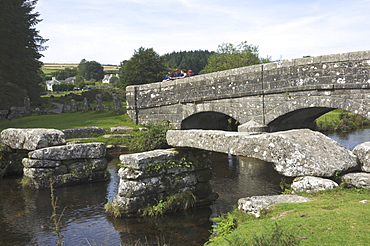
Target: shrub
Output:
[(153, 138), (178, 202)]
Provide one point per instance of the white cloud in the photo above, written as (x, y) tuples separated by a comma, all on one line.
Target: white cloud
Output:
[(109, 31)]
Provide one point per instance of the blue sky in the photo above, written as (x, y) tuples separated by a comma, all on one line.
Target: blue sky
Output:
[(108, 31)]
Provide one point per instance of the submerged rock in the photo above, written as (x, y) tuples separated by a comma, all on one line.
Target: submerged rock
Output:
[(311, 184), (255, 204), (293, 153)]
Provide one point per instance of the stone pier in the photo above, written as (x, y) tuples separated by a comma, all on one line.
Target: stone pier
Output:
[(50, 158), (148, 177)]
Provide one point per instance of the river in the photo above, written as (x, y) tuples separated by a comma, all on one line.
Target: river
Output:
[(25, 215)]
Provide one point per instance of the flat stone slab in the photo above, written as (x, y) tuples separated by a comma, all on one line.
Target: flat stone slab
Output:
[(70, 151), (144, 159), (83, 131), (31, 138), (119, 136), (293, 153), (362, 151), (255, 204), (358, 180), (311, 184), (31, 163), (122, 129)]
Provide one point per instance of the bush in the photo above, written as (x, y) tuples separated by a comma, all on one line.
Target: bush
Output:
[(153, 138), (178, 202)]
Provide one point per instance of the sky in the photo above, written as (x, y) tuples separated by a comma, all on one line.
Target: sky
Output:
[(109, 31)]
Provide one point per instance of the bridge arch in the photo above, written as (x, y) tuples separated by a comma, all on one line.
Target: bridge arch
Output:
[(210, 120), (302, 112)]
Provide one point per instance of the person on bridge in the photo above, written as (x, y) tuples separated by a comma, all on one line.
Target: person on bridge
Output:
[(183, 74), (168, 77), (176, 74)]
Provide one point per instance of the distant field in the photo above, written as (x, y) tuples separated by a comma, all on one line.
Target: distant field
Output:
[(61, 66)]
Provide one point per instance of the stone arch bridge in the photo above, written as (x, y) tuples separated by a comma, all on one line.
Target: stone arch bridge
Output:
[(277, 96)]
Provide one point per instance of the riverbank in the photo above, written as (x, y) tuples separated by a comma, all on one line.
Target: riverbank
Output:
[(340, 121), (334, 217)]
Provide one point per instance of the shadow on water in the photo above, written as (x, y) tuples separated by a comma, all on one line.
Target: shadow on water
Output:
[(25, 215)]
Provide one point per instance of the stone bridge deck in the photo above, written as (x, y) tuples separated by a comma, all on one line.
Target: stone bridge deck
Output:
[(282, 95)]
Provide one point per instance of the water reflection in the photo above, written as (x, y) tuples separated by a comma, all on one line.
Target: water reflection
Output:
[(352, 139), (25, 214), (242, 177)]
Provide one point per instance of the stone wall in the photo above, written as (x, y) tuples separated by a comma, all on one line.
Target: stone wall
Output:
[(149, 177), (50, 158), (261, 93)]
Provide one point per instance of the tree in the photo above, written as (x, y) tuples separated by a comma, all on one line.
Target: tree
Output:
[(194, 60), (90, 70), (229, 56), (20, 44), (145, 66)]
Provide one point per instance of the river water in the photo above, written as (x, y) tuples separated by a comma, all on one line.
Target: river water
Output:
[(25, 215)]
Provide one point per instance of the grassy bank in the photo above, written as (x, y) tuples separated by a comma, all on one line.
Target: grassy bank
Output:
[(334, 217), (153, 138), (104, 119), (339, 120)]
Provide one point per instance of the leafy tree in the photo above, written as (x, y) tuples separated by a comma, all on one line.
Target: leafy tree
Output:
[(80, 82), (114, 80), (145, 66), (20, 44), (90, 70), (194, 60), (63, 87), (229, 56), (65, 73)]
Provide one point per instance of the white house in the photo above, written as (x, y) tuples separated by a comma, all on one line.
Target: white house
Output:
[(50, 83), (107, 78)]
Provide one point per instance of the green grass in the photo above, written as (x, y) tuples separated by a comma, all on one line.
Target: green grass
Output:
[(339, 120), (104, 119), (335, 217)]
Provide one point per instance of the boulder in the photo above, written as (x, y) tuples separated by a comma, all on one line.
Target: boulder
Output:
[(293, 153), (311, 184), (122, 129), (255, 204), (362, 151), (32, 138), (83, 131), (70, 151), (358, 180)]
